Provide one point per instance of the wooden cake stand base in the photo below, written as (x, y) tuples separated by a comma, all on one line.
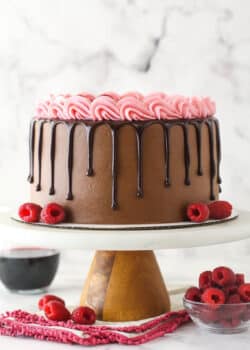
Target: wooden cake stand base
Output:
[(125, 286)]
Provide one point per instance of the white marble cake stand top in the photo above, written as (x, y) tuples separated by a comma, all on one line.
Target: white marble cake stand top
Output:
[(14, 233)]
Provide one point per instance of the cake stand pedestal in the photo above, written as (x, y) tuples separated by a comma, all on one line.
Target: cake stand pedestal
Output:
[(125, 286), (124, 282)]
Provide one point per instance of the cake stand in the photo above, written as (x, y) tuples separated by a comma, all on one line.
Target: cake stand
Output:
[(124, 281)]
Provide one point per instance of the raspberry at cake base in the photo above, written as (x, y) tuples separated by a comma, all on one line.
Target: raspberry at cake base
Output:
[(124, 159)]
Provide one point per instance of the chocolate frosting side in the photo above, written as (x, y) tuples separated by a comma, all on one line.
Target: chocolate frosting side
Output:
[(111, 152)]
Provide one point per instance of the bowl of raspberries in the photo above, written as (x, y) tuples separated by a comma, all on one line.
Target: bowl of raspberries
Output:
[(221, 302)]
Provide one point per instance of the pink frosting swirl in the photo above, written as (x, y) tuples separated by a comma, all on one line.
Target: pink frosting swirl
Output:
[(209, 106), (111, 94), (77, 107), (202, 107), (157, 105), (56, 107), (104, 108), (86, 95), (42, 110), (131, 108), (179, 107), (134, 94), (56, 111), (159, 95)]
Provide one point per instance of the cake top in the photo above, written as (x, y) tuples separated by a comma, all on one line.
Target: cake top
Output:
[(127, 107)]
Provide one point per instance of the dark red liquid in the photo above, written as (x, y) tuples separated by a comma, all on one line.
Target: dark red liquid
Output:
[(27, 269)]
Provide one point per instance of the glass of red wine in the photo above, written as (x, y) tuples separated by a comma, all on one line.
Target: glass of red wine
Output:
[(28, 270)]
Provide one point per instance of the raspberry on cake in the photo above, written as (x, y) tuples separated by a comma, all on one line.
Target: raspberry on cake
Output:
[(219, 210), (52, 213), (29, 212), (197, 212), (124, 159)]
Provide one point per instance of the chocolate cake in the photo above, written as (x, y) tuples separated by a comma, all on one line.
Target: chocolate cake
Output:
[(129, 159)]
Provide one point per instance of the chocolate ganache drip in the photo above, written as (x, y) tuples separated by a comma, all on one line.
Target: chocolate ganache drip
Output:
[(40, 149), (90, 127), (198, 126), (218, 144), (186, 154), (114, 131), (52, 157), (212, 159), (31, 150), (166, 131), (71, 129), (90, 144), (139, 132)]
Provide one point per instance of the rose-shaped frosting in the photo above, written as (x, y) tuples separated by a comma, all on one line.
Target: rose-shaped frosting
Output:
[(134, 94), (180, 107), (77, 107), (56, 110), (158, 105), (42, 110), (129, 106), (86, 95), (209, 107), (104, 108), (111, 94), (196, 107), (202, 107), (133, 109), (159, 95), (56, 107)]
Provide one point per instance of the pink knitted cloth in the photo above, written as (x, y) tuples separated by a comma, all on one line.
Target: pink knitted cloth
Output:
[(21, 323)]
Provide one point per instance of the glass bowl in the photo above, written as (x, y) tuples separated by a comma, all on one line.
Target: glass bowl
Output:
[(223, 319)]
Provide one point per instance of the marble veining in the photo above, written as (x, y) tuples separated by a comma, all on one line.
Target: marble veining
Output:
[(194, 47), (190, 47)]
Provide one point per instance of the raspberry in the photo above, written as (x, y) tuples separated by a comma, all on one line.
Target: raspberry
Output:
[(230, 323), (233, 299), (229, 290), (234, 308), (29, 212), (209, 316), (205, 280), (246, 313), (235, 322), (219, 210), (244, 292), (52, 213), (83, 315), (213, 296), (197, 212), (47, 298), (56, 311), (193, 294), (223, 276), (240, 278)]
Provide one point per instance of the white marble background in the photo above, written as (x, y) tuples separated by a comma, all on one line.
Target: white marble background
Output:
[(179, 46)]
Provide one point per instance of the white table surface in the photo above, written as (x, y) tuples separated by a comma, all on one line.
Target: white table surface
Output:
[(176, 265)]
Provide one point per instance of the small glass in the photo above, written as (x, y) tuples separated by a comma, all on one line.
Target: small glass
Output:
[(28, 270)]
